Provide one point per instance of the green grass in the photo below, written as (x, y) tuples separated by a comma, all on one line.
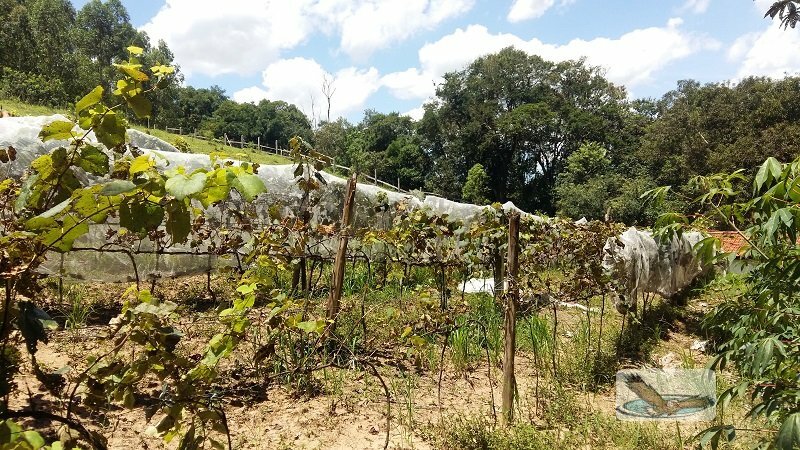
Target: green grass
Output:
[(206, 147), (18, 108)]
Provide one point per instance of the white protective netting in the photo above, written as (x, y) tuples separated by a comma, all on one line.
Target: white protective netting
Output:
[(113, 264), (648, 266)]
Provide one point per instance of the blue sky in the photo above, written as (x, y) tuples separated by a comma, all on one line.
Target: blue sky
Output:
[(388, 54)]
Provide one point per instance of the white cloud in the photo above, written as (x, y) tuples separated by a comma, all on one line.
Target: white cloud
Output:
[(771, 53), (531, 9), (239, 36), (528, 9), (371, 25), (410, 84), (244, 36), (296, 80), (252, 94), (415, 113), (763, 5), (630, 59), (696, 6)]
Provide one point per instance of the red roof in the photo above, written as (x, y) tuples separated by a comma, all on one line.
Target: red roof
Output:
[(732, 242)]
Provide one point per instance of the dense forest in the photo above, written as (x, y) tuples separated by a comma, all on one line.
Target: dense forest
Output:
[(558, 138)]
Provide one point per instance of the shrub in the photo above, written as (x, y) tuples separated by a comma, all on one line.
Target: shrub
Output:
[(182, 146), (32, 88)]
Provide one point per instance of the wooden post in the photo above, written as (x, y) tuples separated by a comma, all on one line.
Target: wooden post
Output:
[(341, 256), (258, 142), (241, 141), (375, 176), (398, 183), (180, 131), (276, 147), (510, 320)]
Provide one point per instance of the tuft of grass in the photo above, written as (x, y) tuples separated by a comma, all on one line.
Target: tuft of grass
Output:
[(18, 108), (79, 309), (403, 389)]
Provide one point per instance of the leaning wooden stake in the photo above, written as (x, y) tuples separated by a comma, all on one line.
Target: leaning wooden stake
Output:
[(341, 255), (510, 320)]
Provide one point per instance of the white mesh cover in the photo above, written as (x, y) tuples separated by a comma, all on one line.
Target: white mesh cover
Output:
[(647, 266)]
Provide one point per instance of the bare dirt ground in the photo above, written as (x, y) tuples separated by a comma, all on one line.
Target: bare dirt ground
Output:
[(351, 410)]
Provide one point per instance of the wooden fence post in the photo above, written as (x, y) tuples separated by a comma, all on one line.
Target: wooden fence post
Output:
[(258, 142), (510, 320), (341, 256)]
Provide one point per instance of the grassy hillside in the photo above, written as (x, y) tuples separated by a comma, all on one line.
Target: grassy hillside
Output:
[(18, 108)]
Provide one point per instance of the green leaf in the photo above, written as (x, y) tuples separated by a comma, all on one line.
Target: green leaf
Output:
[(141, 163), (179, 223), (63, 237), (34, 439), (26, 192), (89, 100), (770, 170), (111, 130), (52, 212), (248, 185), (312, 326), (188, 441), (134, 50), (93, 160), (132, 70), (140, 217), (789, 435), (117, 187), (140, 105), (57, 130), (9, 431), (181, 186), (217, 189)]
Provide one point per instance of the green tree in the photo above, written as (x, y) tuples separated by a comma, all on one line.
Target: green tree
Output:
[(104, 30), (520, 117), (388, 144), (718, 127), (331, 138), (51, 23), (268, 120), (586, 185), (757, 330), (476, 188), (16, 37)]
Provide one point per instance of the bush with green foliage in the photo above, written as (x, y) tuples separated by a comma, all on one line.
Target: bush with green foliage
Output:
[(32, 88), (182, 146), (476, 188), (758, 332)]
